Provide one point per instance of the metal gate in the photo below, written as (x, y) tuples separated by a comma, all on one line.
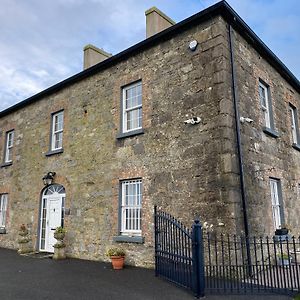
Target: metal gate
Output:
[(179, 252), (207, 262)]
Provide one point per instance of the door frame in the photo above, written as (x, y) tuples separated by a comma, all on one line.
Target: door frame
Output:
[(59, 191)]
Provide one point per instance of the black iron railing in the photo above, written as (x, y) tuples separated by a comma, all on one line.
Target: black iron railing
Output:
[(275, 264), (206, 262)]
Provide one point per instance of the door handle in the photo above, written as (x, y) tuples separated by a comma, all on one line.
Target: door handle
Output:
[(53, 228)]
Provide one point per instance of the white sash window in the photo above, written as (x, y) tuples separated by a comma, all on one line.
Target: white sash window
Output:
[(294, 124), (132, 107), (277, 209), (265, 103), (3, 210), (9, 146), (131, 207), (57, 130)]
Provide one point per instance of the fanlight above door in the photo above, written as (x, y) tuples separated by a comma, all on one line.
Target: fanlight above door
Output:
[(54, 188)]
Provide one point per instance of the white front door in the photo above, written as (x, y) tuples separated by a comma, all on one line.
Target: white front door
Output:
[(53, 221), (51, 218)]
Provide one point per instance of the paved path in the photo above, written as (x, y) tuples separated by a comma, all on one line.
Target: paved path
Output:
[(27, 278)]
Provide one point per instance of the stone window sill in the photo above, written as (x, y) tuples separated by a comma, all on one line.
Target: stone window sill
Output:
[(6, 164), (296, 146), (271, 132), (129, 239), (2, 230), (53, 152), (122, 135)]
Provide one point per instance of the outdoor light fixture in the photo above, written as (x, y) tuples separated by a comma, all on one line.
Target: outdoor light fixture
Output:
[(193, 45), (48, 178)]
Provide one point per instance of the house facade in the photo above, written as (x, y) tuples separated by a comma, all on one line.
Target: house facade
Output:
[(156, 124)]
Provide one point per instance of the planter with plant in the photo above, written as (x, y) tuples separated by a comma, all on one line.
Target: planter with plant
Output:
[(59, 246), (117, 256), (282, 231), (60, 233), (24, 240), (283, 259)]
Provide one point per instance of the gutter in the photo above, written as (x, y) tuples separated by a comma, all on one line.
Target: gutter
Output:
[(239, 149)]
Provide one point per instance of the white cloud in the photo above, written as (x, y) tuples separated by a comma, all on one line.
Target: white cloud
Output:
[(41, 42)]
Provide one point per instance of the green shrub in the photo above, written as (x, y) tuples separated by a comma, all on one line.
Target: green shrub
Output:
[(283, 256), (114, 251), (60, 230), (59, 245)]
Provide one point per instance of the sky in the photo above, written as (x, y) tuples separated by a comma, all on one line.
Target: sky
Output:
[(41, 41)]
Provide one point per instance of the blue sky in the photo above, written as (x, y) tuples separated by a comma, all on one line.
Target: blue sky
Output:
[(41, 42)]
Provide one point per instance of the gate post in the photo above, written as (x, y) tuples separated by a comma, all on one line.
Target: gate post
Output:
[(155, 240), (198, 260)]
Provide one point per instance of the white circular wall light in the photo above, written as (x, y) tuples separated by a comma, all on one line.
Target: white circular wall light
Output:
[(193, 45)]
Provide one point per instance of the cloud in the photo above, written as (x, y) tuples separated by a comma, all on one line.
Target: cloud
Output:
[(41, 42)]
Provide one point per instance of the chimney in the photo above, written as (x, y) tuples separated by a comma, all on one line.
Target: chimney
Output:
[(156, 21), (93, 55)]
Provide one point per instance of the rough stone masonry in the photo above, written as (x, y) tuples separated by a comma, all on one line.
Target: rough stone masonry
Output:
[(187, 170)]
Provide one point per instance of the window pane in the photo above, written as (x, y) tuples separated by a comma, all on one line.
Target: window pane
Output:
[(10, 139), (57, 130), (9, 146), (58, 140), (9, 154), (133, 96), (267, 119), (276, 206), (293, 124), (131, 215), (262, 96), (3, 209), (58, 125), (43, 231), (134, 119), (132, 107)]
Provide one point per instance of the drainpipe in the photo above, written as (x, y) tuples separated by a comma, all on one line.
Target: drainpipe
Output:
[(239, 148)]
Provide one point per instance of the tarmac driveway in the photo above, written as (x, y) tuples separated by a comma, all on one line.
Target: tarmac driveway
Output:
[(28, 278)]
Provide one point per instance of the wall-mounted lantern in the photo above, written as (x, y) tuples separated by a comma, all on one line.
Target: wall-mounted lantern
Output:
[(47, 179)]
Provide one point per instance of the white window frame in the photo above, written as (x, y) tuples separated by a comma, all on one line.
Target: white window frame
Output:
[(265, 106), (126, 111), (9, 146), (132, 224), (276, 200), (294, 128), (3, 209), (58, 131)]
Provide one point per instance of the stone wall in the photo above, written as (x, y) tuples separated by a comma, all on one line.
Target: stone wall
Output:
[(188, 170), (266, 156)]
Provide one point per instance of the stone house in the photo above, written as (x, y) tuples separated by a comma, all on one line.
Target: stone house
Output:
[(200, 119)]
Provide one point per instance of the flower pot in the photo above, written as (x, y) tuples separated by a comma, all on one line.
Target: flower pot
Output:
[(283, 262), (24, 248), (59, 253), (117, 262), (281, 231)]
